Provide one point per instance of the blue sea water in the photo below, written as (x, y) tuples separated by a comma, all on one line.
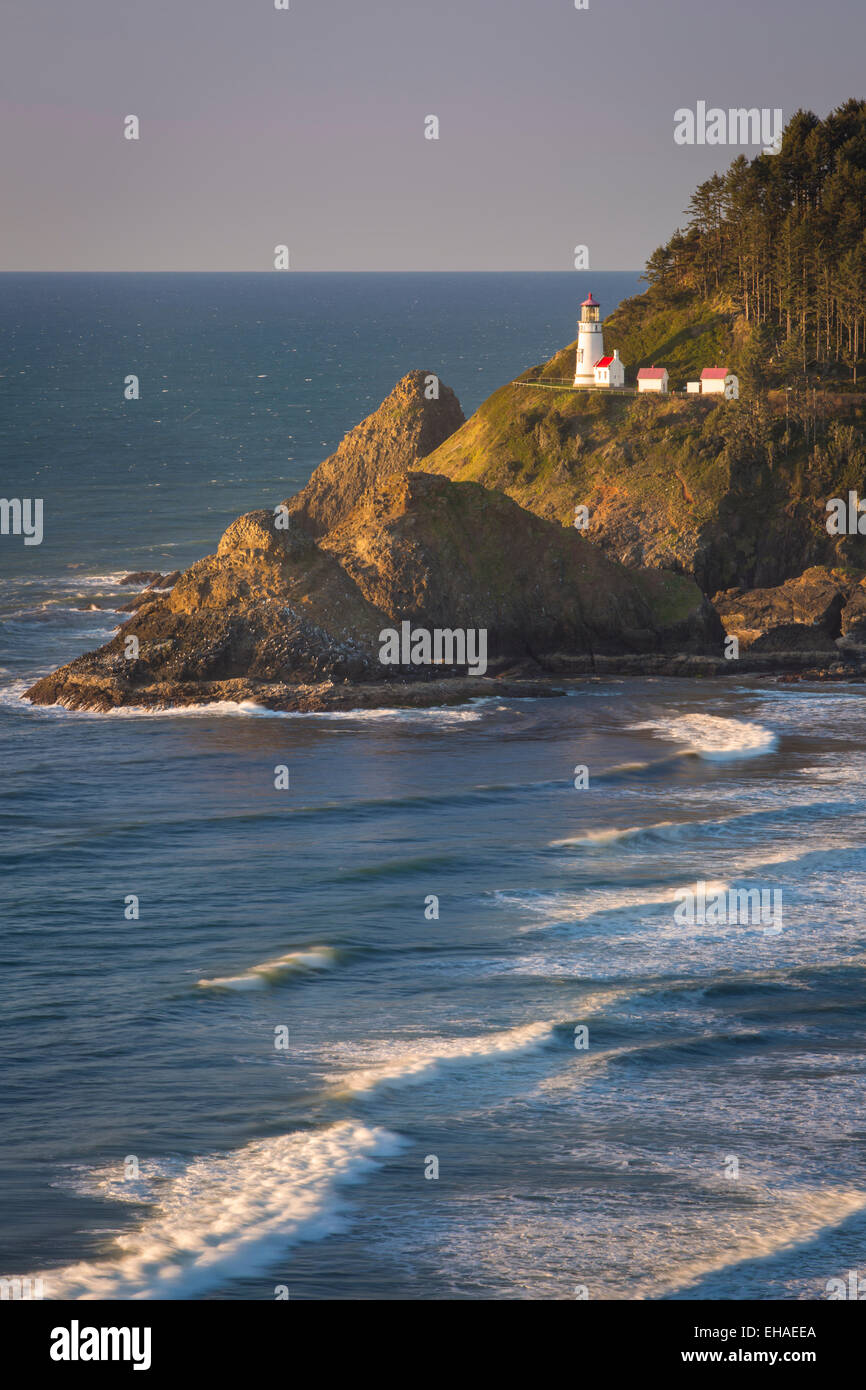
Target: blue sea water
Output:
[(159, 1140)]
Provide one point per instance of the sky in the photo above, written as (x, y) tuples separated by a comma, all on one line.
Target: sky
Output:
[(305, 127)]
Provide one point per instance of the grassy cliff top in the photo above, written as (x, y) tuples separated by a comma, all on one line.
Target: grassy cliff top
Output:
[(733, 492), (679, 331)]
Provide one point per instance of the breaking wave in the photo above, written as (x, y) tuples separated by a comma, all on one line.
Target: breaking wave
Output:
[(713, 738), (271, 971), (664, 830), (231, 1216)]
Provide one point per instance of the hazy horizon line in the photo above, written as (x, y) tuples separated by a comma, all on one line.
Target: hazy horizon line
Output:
[(623, 270)]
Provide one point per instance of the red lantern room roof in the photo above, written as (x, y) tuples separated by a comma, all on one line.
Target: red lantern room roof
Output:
[(590, 303)]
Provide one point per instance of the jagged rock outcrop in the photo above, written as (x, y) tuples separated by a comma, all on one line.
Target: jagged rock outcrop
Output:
[(809, 613), (408, 425)]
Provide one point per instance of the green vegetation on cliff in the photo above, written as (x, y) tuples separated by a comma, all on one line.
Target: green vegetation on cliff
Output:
[(679, 330), (732, 492), (666, 327)]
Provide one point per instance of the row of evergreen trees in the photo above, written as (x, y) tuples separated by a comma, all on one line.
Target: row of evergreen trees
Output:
[(784, 237)]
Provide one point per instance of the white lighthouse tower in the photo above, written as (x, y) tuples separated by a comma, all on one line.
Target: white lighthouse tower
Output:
[(590, 343)]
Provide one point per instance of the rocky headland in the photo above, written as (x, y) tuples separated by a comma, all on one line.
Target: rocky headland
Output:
[(290, 610), (701, 528)]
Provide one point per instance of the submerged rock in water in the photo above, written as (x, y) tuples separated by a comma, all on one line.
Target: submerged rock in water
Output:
[(142, 577), (162, 582)]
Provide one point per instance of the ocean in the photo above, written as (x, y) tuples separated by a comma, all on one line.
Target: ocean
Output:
[(428, 1024)]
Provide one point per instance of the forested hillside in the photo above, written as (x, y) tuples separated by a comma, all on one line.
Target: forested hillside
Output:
[(774, 250)]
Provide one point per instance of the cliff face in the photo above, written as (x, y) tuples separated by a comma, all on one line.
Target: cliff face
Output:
[(450, 554), (733, 493), (277, 618), (292, 617)]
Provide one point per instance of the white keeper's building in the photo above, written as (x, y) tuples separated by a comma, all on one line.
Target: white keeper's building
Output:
[(609, 371)]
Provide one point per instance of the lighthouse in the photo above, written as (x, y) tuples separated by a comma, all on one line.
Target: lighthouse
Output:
[(590, 343)]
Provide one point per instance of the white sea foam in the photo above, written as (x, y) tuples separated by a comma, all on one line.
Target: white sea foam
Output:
[(452, 714), (620, 769), (407, 1067), (93, 580), (110, 1182), (230, 1216), (743, 1235), (86, 581), (270, 971), (78, 584), (564, 909), (13, 697), (713, 738)]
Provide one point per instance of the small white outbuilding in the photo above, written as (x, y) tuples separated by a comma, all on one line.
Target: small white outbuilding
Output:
[(652, 379), (719, 381)]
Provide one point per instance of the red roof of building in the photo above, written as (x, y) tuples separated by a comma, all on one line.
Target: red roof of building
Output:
[(714, 373), (652, 373), (604, 361), (593, 303)]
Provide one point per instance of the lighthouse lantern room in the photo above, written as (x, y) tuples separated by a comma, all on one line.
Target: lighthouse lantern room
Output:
[(590, 343)]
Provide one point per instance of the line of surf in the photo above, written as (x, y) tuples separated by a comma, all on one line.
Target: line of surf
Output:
[(678, 830), (418, 1064), (565, 909)]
